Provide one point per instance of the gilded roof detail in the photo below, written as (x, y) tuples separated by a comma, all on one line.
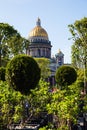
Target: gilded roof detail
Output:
[(38, 31)]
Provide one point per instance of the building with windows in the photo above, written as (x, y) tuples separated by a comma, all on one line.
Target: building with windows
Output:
[(40, 46)]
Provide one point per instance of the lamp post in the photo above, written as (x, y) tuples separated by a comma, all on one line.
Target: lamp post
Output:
[(27, 108)]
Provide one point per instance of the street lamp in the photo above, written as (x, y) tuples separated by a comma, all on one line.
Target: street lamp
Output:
[(27, 108)]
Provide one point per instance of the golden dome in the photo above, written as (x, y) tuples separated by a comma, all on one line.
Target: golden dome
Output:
[(38, 31)]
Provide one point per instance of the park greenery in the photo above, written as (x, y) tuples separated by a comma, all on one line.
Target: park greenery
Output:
[(44, 65), (22, 73), (65, 75), (79, 48), (11, 43), (17, 86)]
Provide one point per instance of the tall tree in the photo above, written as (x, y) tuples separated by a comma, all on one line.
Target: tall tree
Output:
[(79, 47), (11, 42)]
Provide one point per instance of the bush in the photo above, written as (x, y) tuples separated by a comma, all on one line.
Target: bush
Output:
[(2, 73), (65, 75), (22, 73)]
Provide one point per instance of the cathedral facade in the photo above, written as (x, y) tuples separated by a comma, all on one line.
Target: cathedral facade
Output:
[(40, 46)]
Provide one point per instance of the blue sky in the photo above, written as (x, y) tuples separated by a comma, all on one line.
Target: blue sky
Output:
[(55, 17)]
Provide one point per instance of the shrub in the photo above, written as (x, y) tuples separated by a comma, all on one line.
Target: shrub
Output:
[(22, 73), (2, 73), (65, 75)]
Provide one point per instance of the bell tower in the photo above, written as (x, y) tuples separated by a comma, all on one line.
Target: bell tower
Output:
[(59, 58)]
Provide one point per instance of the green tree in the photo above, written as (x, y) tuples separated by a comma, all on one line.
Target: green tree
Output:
[(11, 43), (65, 75), (64, 107), (44, 65), (22, 73), (79, 47), (11, 108), (17, 45), (40, 96), (12, 103)]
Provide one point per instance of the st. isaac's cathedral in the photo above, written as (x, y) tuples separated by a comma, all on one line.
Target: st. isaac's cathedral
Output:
[(40, 46)]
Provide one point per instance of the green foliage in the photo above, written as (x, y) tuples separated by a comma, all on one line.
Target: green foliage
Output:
[(65, 75), (40, 96), (11, 108), (44, 65), (45, 128), (63, 105), (12, 103), (11, 43), (23, 73), (79, 37), (6, 32), (81, 77), (2, 73), (17, 45)]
